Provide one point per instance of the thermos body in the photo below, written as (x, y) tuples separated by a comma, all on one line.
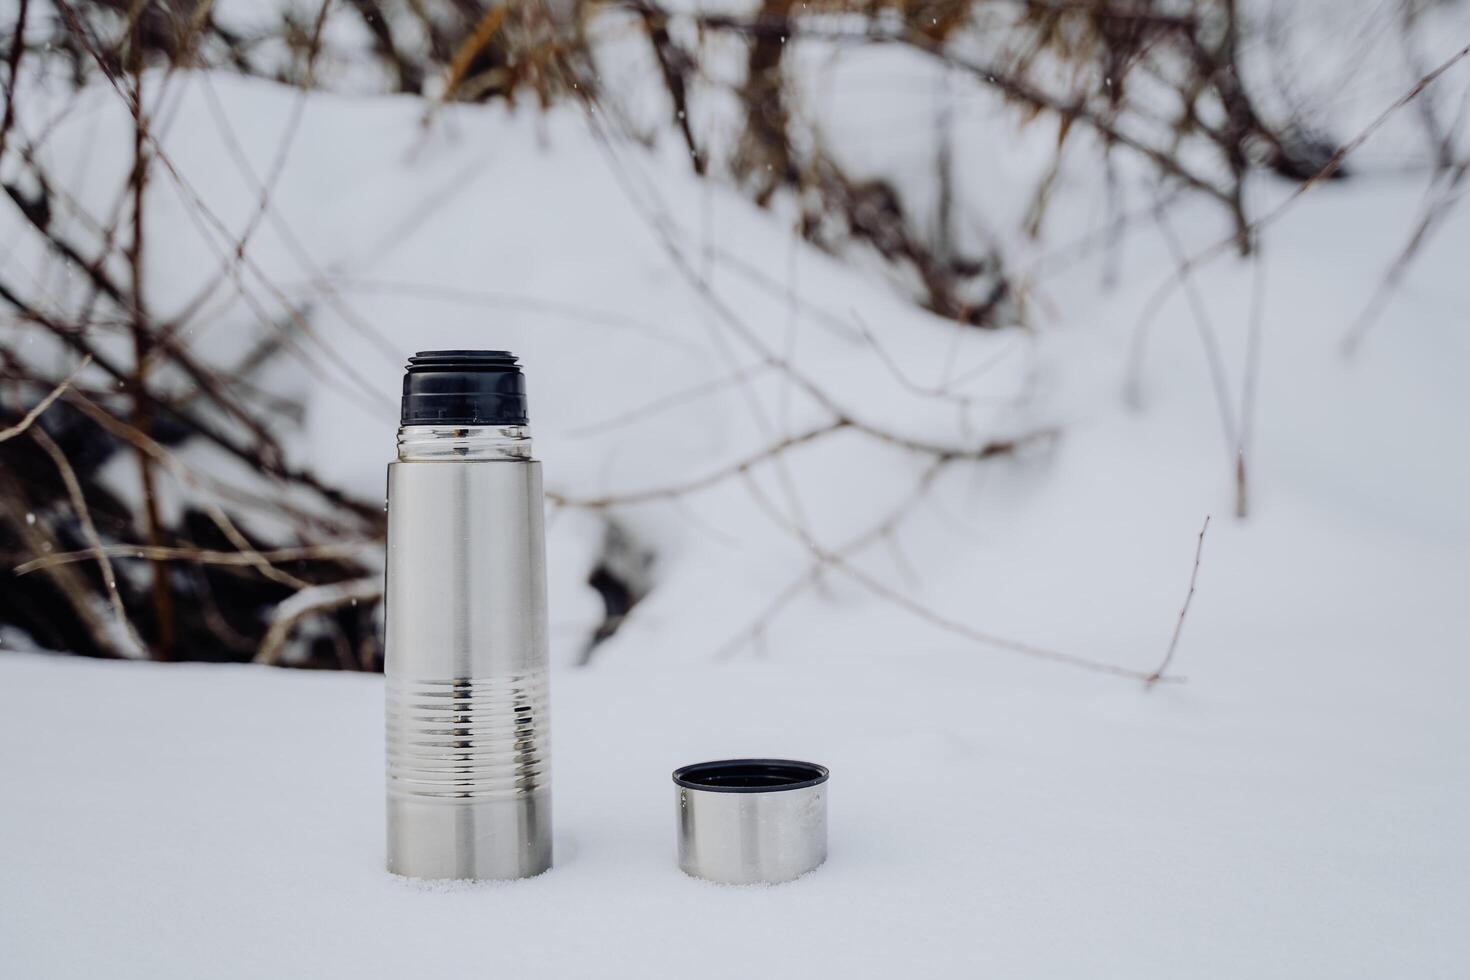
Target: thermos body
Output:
[(469, 792)]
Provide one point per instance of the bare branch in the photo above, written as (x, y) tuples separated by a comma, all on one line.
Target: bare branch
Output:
[(1435, 211), (67, 581), (17, 49), (701, 482), (309, 601)]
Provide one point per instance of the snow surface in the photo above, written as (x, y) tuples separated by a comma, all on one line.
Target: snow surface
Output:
[(1297, 808)]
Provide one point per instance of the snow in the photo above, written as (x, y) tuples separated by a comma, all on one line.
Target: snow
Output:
[(1295, 808), (227, 821)]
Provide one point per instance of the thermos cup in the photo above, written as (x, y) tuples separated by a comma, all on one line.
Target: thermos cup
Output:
[(751, 821), (468, 738)]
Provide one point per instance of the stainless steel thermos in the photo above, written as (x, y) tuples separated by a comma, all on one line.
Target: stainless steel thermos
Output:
[(468, 737), (469, 780)]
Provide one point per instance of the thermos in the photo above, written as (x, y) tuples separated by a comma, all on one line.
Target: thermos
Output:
[(468, 737)]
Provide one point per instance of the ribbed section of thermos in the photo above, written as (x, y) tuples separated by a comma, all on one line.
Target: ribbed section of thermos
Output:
[(468, 739)]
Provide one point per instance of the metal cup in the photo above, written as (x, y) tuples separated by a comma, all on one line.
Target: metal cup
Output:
[(751, 821)]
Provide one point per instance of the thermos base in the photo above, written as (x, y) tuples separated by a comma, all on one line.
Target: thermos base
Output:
[(469, 794), (480, 839)]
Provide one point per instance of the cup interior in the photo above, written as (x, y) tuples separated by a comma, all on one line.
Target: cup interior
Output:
[(750, 775)]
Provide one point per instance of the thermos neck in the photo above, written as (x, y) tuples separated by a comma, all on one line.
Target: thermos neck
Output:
[(450, 443)]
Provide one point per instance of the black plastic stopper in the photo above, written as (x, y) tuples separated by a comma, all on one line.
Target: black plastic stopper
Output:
[(464, 387)]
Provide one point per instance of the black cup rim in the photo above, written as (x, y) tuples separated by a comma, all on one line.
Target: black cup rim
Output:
[(703, 776)]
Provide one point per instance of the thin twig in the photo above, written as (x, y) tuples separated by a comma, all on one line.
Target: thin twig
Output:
[(692, 393), (30, 417), (206, 220), (1158, 675), (919, 610), (180, 472), (277, 506), (1250, 384), (89, 531), (850, 549), (662, 226), (277, 167), (1155, 302), (202, 556), (1015, 88), (1209, 338), (266, 457)]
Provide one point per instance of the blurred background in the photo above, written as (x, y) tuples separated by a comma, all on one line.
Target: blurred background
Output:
[(951, 318), (1049, 414)]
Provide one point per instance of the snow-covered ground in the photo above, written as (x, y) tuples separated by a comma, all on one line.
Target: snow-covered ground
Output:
[(1296, 808)]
